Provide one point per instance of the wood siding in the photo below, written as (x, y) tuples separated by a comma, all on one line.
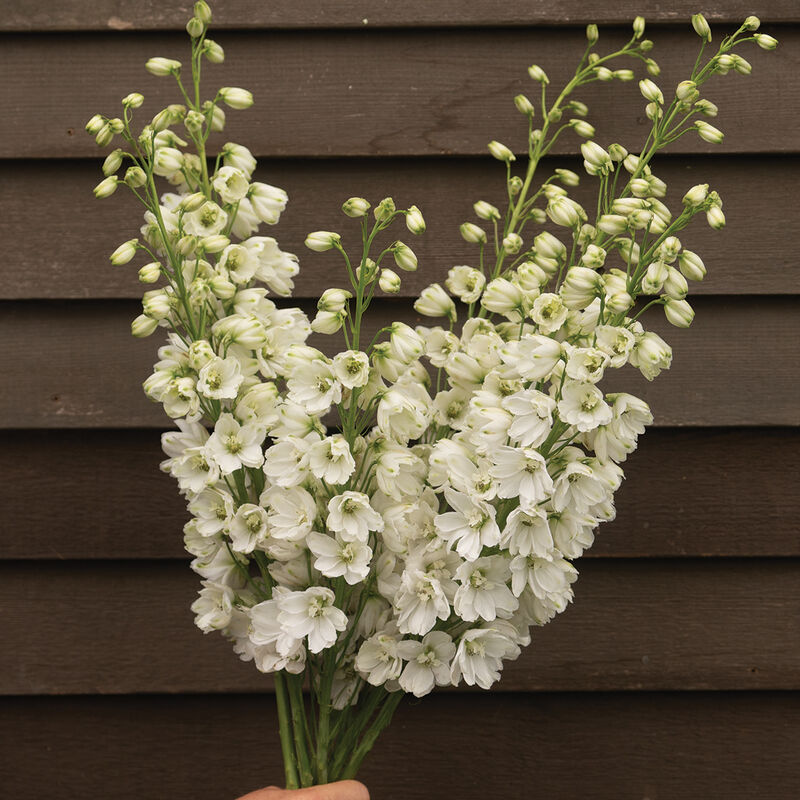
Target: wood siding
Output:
[(674, 674)]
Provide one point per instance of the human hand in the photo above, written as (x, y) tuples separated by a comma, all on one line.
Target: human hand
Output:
[(341, 790)]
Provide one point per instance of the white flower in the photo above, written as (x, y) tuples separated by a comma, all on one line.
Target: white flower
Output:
[(220, 378), (230, 184), (578, 488), (351, 368), (314, 386), (352, 517), (466, 283), (533, 416), (336, 557), (291, 512), (521, 472), (582, 405), (651, 354), (311, 613), (194, 470), (470, 527), (286, 462), (212, 507), (615, 342), (572, 532), (483, 592), (586, 364), (268, 202), (479, 656), (548, 579), (213, 607), (232, 445), (433, 301), (549, 312), (248, 528), (330, 460), (208, 220), (378, 659), (428, 662), (404, 411), (534, 356), (419, 601), (528, 533)]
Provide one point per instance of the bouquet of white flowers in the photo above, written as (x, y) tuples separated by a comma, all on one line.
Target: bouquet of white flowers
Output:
[(396, 516)]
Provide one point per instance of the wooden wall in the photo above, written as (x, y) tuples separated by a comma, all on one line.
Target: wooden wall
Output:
[(672, 676)]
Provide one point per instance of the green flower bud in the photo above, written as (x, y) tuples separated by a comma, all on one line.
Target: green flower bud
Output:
[(638, 27), (213, 51), (124, 253), (135, 177), (163, 66), (113, 162), (752, 23), (202, 11), (195, 27), (355, 207), (472, 233), (486, 210), (320, 241), (95, 125), (143, 326), (415, 222), (404, 257), (501, 152), (538, 74), (106, 187), (701, 27), (385, 210), (150, 273), (592, 34), (524, 106), (389, 281), (765, 41), (514, 185), (237, 98), (132, 100)]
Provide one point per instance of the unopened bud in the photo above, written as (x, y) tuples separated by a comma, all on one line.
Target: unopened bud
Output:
[(150, 273), (404, 257), (651, 65), (95, 125), (612, 224), (752, 23), (650, 91), (434, 301), (742, 65), (389, 281), (355, 207), (327, 322), (524, 106), (638, 27), (687, 91), (564, 211), (592, 34), (415, 222), (125, 252), (583, 128), (385, 210), (514, 185), (765, 41), (214, 244), (696, 195), (486, 210), (237, 98), (213, 51), (691, 265), (143, 326), (320, 241), (501, 152), (715, 218), (472, 233), (708, 132), (132, 100), (104, 135), (333, 300), (604, 74), (701, 27), (163, 66), (538, 74), (678, 313), (512, 243), (195, 27), (106, 187), (568, 177)]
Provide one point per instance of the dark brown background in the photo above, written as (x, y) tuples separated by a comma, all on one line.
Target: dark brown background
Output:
[(672, 676)]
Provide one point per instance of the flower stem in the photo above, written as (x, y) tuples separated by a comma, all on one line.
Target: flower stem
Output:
[(284, 720)]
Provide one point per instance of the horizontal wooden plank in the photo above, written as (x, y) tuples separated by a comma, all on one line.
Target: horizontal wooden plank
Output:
[(377, 93), (39, 15), (122, 627), (76, 365), (751, 256), (692, 492), (604, 747)]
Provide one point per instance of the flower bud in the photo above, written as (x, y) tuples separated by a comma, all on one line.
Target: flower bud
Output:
[(652, 67), (691, 265), (222, 288), (619, 302), (512, 243), (213, 51), (125, 252), (162, 66), (650, 91), (687, 91), (104, 135), (592, 34), (95, 125), (327, 322), (333, 300), (524, 106), (594, 257), (564, 211), (217, 118), (143, 326), (583, 128), (132, 100), (612, 224), (195, 27), (580, 287), (370, 268), (624, 74), (742, 65), (538, 74), (568, 177), (150, 273), (604, 74), (415, 222), (157, 304), (752, 23), (514, 185), (706, 108), (501, 152), (200, 353), (404, 257), (701, 27), (696, 195), (355, 207), (187, 245), (549, 246), (320, 241), (503, 297), (640, 187), (715, 218), (765, 41), (194, 121), (638, 27), (675, 285), (106, 187), (486, 210), (215, 243), (472, 233), (596, 160), (202, 11), (678, 313), (653, 111), (236, 98), (433, 301), (708, 132), (389, 281), (654, 277)]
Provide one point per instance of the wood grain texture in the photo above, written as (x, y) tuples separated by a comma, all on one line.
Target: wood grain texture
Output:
[(75, 365), (519, 747), (98, 494), (753, 255), (81, 15), (378, 93), (124, 627)]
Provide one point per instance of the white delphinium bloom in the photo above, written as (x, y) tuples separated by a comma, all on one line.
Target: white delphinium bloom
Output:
[(577, 487), (314, 386), (378, 659), (352, 517), (450, 408), (469, 527), (466, 283), (428, 662), (479, 656), (220, 379), (521, 472), (180, 398), (213, 607), (573, 532), (248, 528), (203, 547), (528, 533), (276, 268), (208, 220), (404, 411), (330, 460), (631, 415), (268, 202), (615, 342), (275, 646), (483, 592), (583, 406), (548, 579), (439, 344), (351, 368), (239, 263), (419, 601), (586, 364), (291, 512), (405, 523), (175, 443), (212, 507), (230, 184), (549, 312), (397, 469), (407, 345), (534, 356), (312, 613), (651, 354), (336, 557), (433, 301), (233, 446), (259, 405), (222, 567), (286, 462), (533, 416), (195, 470)]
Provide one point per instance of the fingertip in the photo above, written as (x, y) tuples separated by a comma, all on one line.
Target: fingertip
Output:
[(353, 790)]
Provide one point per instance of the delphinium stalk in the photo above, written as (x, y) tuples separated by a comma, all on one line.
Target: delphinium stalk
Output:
[(366, 524)]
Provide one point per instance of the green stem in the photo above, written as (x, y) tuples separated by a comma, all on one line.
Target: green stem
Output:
[(300, 729), (289, 763)]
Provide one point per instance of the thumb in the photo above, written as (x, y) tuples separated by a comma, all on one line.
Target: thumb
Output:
[(341, 790)]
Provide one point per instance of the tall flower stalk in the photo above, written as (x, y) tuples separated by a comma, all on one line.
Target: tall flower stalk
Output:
[(399, 515)]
